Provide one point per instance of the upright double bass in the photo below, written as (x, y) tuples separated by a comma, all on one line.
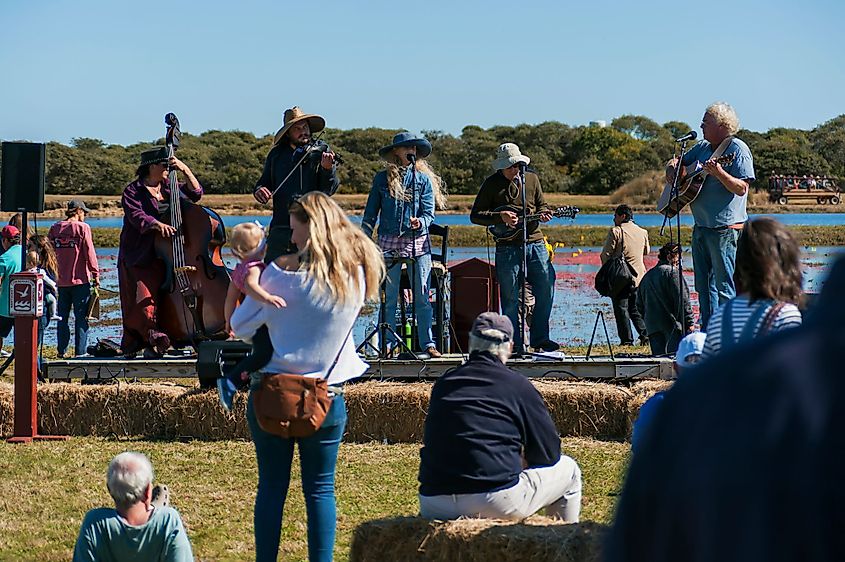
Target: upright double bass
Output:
[(196, 280)]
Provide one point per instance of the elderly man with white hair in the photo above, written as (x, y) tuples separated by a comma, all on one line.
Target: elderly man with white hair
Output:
[(720, 209), (490, 447), (141, 527)]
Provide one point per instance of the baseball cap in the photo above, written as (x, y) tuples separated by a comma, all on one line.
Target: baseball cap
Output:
[(692, 344), (492, 321), (10, 231)]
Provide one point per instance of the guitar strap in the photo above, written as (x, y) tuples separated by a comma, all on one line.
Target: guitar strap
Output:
[(723, 146)]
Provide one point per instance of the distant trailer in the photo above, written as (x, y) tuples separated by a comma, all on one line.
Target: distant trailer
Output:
[(821, 190)]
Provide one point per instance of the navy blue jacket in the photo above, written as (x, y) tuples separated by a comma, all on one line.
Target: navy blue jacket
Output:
[(310, 176), (482, 419), (745, 457)]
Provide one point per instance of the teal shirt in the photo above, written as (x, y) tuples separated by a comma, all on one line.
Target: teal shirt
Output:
[(10, 262), (106, 537)]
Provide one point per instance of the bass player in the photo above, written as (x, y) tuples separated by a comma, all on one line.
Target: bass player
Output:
[(502, 189), (720, 209)]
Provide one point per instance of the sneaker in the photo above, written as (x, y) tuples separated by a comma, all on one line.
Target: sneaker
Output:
[(226, 393), (4, 353), (161, 496)]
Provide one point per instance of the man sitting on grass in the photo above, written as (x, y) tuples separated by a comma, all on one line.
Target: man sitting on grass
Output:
[(141, 527), (490, 447)]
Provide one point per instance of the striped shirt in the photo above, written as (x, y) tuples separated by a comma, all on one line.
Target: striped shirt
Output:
[(788, 317)]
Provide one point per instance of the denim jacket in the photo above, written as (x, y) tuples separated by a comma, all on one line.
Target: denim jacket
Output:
[(394, 217)]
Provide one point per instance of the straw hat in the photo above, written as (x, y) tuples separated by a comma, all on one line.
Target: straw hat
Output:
[(507, 155), (295, 115)]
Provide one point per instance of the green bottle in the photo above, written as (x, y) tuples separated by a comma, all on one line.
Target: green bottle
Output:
[(407, 327)]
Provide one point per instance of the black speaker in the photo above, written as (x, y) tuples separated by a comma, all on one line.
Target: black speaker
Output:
[(22, 177)]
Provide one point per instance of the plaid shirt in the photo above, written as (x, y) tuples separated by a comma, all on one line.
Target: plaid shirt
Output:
[(403, 246)]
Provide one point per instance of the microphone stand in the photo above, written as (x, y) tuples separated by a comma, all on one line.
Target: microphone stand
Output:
[(412, 266), (523, 277), (674, 195)]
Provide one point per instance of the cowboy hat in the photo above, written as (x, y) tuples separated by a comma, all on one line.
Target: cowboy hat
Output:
[(408, 139), (507, 155), (155, 155), (295, 115)]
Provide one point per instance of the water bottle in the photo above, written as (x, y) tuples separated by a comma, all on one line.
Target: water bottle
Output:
[(407, 333)]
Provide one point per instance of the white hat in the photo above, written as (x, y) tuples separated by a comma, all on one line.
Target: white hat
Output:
[(507, 155), (692, 344)]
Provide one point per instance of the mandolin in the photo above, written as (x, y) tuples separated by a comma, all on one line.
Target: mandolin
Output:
[(692, 178), (505, 233)]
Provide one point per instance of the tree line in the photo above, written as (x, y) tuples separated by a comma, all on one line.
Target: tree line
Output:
[(581, 160)]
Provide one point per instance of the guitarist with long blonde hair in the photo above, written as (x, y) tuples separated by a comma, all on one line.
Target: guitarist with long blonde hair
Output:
[(719, 209)]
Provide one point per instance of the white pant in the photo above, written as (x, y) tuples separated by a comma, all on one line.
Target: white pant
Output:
[(556, 487)]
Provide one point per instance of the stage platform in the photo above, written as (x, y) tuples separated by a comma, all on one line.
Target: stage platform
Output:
[(569, 367)]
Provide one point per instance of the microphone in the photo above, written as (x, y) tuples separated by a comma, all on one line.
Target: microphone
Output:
[(692, 135), (411, 158)]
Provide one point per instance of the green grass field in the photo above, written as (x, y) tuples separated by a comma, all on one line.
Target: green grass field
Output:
[(47, 487)]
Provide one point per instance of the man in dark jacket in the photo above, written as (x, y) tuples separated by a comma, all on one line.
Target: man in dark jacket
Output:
[(744, 460), (664, 303), (317, 172), (490, 447)]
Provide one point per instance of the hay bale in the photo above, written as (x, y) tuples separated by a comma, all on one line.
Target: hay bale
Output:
[(643, 390), (120, 410), (381, 411), (534, 539), (587, 409), (7, 417), (198, 414)]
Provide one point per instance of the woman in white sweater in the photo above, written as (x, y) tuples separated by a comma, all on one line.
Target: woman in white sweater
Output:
[(324, 285)]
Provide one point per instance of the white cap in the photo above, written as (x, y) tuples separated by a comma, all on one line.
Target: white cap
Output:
[(692, 344)]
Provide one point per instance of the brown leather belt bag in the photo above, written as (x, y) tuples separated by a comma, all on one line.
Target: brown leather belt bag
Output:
[(293, 405)]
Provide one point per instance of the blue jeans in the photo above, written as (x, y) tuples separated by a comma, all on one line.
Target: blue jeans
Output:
[(76, 296), (713, 262), (317, 457), (541, 277), (422, 304)]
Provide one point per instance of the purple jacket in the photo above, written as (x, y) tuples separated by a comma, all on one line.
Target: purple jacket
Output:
[(140, 213)]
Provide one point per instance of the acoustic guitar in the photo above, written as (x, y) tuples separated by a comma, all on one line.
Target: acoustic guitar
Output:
[(505, 233), (692, 178)]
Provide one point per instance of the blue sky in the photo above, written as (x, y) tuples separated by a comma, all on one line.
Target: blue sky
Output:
[(112, 69)]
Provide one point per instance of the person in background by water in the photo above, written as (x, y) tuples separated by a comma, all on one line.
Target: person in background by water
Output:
[(689, 353), (318, 172), (324, 284), (502, 189), (140, 271), (720, 208), (664, 302), (10, 263), (404, 212), (631, 240), (47, 262), (78, 273), (248, 245), (769, 282)]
